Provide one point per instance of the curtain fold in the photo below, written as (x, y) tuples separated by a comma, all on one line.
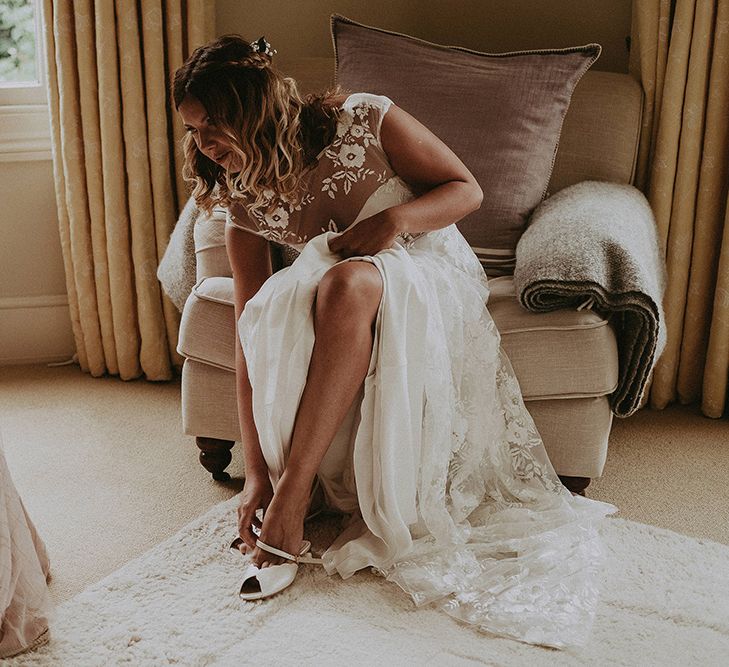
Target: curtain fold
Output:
[(681, 57), (117, 162), (650, 25)]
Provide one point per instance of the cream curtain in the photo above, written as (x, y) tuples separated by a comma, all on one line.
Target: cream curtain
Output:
[(681, 55), (117, 165)]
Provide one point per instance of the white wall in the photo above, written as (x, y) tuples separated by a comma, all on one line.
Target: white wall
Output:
[(34, 319)]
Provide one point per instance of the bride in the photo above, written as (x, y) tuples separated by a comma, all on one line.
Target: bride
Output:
[(371, 365)]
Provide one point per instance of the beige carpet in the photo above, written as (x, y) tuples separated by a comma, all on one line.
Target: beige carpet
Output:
[(106, 473)]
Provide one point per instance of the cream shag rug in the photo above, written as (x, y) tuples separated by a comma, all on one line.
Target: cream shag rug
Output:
[(665, 601)]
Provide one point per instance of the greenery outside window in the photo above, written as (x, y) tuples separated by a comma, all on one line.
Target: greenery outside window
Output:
[(24, 114), (22, 74)]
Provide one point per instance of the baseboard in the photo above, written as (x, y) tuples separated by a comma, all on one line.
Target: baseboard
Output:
[(35, 329)]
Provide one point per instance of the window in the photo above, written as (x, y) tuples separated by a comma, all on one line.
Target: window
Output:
[(17, 42), (22, 75), (24, 120)]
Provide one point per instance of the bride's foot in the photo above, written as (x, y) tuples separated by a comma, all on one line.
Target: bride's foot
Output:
[(283, 522)]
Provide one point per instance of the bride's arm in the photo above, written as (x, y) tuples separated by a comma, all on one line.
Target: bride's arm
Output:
[(250, 261), (447, 190), (428, 166)]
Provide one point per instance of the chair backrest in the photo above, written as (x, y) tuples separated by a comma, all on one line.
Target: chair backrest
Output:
[(600, 134), (601, 130)]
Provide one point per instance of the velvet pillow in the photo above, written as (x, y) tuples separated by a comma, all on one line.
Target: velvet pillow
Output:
[(500, 113)]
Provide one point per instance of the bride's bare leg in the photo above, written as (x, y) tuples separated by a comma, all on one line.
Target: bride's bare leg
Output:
[(346, 308)]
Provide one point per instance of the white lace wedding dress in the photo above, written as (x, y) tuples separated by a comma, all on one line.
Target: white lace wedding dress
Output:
[(25, 603), (450, 490)]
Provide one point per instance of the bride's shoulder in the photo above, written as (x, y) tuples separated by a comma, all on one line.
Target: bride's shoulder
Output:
[(360, 103)]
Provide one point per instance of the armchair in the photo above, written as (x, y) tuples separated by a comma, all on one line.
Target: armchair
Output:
[(566, 360)]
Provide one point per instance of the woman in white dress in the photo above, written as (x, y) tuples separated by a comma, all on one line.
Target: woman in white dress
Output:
[(372, 363), (25, 603)]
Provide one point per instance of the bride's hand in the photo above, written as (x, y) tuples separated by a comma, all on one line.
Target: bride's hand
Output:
[(367, 237), (257, 493)]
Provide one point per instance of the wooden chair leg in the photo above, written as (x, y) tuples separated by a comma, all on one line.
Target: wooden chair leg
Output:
[(215, 456), (575, 484)]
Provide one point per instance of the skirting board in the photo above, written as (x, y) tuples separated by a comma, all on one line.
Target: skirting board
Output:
[(35, 329)]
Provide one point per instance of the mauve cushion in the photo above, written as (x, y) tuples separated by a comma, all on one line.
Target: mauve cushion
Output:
[(500, 113)]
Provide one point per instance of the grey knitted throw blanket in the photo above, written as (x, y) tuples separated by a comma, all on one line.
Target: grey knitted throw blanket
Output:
[(177, 270), (595, 243)]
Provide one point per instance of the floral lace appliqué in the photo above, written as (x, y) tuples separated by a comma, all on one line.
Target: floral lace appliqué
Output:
[(273, 221), (349, 149)]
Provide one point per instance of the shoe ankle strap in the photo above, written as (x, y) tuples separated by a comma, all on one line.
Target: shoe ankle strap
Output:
[(283, 554), (274, 550)]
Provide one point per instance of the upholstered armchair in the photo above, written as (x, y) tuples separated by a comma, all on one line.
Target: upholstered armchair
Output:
[(566, 361)]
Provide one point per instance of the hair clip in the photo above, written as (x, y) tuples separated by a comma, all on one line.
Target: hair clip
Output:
[(262, 46)]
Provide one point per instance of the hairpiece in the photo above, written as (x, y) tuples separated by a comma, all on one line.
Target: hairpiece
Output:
[(262, 46)]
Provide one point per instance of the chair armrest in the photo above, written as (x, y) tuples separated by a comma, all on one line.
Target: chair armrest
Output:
[(596, 242), (591, 233), (210, 252), (211, 257)]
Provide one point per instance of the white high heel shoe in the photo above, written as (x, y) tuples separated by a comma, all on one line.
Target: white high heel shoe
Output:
[(259, 583)]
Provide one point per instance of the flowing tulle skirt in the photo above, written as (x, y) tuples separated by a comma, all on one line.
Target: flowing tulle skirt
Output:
[(25, 604), (451, 493)]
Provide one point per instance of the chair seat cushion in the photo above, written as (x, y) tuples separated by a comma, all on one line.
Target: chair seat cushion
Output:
[(561, 354)]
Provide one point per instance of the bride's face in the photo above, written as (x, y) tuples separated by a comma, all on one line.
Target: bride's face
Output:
[(210, 140)]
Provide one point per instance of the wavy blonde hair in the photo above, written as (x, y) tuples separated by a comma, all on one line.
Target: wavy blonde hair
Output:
[(274, 131)]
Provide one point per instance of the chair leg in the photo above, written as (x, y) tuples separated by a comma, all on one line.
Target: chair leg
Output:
[(575, 484), (215, 456)]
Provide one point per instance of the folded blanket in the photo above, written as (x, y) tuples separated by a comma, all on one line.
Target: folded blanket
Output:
[(177, 270), (596, 244)]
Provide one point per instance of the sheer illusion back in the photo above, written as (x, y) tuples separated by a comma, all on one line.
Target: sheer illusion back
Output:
[(345, 175)]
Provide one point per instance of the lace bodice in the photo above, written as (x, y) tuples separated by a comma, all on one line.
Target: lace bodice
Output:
[(346, 173)]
